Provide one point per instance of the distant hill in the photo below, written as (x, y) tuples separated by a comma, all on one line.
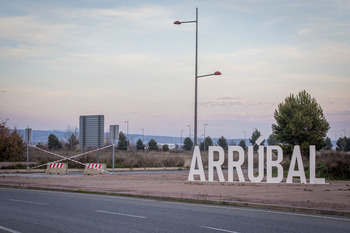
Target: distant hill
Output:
[(42, 136)]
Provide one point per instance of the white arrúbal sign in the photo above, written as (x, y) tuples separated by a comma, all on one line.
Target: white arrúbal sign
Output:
[(296, 159)]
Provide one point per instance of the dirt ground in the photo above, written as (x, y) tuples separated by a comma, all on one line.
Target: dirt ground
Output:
[(332, 196)]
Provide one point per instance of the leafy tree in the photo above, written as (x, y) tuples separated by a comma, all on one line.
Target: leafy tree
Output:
[(328, 144), (343, 144), (152, 145), (11, 144), (207, 142), (271, 141), (140, 145), (39, 145), (122, 142), (188, 144), (72, 138), (53, 142), (256, 134), (222, 142), (243, 144), (165, 147), (300, 121)]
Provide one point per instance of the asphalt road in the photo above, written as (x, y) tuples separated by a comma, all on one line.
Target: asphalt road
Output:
[(47, 211)]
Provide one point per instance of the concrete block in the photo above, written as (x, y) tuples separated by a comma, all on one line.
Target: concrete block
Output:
[(57, 168), (95, 168)]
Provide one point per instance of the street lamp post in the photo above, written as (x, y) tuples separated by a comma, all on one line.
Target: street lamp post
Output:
[(204, 135), (189, 130), (127, 134), (181, 138), (196, 74), (143, 135)]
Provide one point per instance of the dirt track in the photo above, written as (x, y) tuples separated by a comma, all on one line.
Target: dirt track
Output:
[(332, 196)]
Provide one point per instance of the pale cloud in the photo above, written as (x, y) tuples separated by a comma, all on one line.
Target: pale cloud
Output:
[(128, 14), (228, 101), (342, 115), (24, 52), (77, 30), (242, 117), (235, 6), (30, 29)]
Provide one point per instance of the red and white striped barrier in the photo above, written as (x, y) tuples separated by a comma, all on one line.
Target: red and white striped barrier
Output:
[(57, 168), (71, 158), (64, 158), (56, 165), (93, 166)]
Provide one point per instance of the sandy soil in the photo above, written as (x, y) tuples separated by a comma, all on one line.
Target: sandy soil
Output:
[(332, 196)]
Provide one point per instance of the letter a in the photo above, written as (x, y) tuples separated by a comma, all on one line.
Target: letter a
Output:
[(193, 171), (296, 157)]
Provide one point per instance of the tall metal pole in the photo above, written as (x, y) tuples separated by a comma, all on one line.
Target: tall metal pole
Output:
[(181, 139), (113, 158), (127, 134), (27, 156), (196, 79), (204, 137), (143, 135), (196, 75), (28, 138), (114, 132)]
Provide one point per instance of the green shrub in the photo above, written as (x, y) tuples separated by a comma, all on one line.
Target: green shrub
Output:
[(165, 147), (152, 145)]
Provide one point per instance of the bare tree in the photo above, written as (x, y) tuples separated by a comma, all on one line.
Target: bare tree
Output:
[(71, 136)]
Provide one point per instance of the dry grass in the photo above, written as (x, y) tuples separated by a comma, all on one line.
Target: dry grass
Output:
[(133, 158), (333, 165), (123, 159)]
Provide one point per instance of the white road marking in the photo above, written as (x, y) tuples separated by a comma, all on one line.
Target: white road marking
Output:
[(9, 230), (30, 202), (122, 214), (262, 211), (218, 229)]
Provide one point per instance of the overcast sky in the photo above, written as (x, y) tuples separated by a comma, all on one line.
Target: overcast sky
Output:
[(126, 60)]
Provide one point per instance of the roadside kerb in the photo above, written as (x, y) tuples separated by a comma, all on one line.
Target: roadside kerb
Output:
[(69, 158)]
